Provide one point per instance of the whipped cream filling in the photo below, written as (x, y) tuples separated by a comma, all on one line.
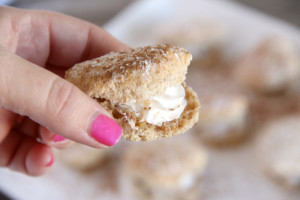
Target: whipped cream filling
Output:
[(162, 108)]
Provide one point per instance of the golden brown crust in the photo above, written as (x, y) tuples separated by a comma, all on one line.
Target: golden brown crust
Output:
[(143, 131), (151, 70)]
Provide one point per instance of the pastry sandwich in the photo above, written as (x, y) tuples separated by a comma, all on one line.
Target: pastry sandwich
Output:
[(143, 89)]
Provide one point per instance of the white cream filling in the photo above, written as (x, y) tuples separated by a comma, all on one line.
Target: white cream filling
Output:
[(187, 181), (162, 108)]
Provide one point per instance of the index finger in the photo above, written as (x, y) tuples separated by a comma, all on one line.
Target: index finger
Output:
[(73, 40), (49, 38)]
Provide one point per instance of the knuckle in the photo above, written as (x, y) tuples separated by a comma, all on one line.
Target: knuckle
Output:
[(59, 100)]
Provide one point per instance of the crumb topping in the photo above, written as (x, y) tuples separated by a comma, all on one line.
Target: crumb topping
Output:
[(130, 61), (136, 74)]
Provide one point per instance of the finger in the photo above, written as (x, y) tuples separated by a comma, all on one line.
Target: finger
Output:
[(42, 134), (47, 37), (52, 139), (7, 119), (39, 158), (29, 128), (81, 40), (57, 70), (24, 154), (8, 147), (54, 103)]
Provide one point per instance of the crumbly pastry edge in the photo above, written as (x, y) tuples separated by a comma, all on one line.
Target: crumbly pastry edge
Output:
[(135, 131)]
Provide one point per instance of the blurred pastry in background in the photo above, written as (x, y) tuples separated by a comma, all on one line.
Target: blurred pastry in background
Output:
[(81, 157), (224, 115), (265, 108), (205, 39), (143, 88), (272, 67), (223, 119), (278, 148), (165, 169)]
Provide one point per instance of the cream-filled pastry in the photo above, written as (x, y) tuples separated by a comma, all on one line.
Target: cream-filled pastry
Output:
[(166, 169), (279, 151), (223, 118), (225, 110), (143, 88), (273, 66)]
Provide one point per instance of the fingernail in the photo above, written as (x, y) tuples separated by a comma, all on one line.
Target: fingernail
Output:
[(51, 160), (106, 130), (58, 138)]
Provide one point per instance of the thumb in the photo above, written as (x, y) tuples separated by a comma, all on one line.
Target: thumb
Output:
[(53, 102)]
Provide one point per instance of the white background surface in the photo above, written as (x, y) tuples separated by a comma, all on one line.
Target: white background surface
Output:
[(233, 172)]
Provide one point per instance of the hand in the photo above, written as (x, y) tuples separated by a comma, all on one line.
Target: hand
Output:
[(38, 108)]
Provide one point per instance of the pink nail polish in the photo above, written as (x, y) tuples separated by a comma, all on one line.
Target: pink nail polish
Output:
[(51, 160), (106, 130), (58, 138)]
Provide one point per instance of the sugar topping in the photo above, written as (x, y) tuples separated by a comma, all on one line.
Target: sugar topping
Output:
[(141, 59), (131, 74)]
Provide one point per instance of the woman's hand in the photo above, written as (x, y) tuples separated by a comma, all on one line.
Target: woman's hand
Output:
[(38, 108)]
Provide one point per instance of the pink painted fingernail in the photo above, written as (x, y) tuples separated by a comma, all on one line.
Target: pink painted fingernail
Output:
[(106, 130), (58, 138), (51, 160)]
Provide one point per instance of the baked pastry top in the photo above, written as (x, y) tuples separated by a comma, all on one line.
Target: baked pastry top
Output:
[(132, 74)]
